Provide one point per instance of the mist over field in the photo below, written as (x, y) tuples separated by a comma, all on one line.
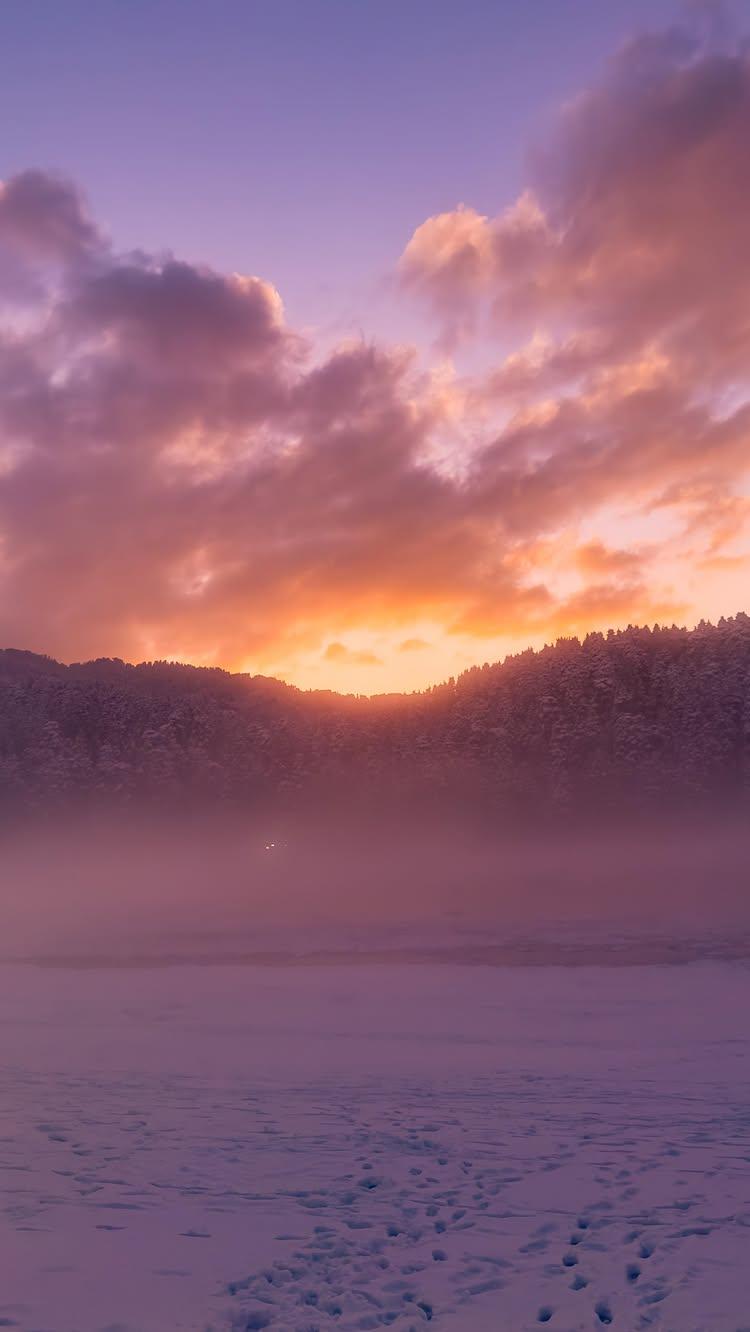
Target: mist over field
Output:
[(138, 889)]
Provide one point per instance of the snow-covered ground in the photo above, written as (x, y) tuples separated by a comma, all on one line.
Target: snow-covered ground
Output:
[(362, 1146)]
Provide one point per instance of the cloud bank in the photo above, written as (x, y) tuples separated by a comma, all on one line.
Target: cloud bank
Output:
[(181, 473)]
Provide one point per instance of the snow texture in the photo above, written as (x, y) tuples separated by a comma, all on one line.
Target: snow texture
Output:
[(303, 1148)]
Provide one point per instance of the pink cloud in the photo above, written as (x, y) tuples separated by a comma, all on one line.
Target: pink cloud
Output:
[(634, 234)]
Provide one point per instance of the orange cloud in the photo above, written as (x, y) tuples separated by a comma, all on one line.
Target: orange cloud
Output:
[(595, 558), (344, 656)]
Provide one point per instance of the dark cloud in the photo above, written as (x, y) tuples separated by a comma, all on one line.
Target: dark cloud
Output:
[(43, 216), (178, 316)]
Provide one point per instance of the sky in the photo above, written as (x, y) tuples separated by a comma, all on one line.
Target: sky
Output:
[(356, 343)]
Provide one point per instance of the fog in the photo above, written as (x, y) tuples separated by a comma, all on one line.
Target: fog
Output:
[(142, 890)]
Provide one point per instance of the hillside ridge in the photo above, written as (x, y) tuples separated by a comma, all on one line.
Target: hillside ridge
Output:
[(620, 719)]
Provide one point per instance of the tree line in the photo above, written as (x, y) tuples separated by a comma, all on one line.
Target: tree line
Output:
[(642, 718)]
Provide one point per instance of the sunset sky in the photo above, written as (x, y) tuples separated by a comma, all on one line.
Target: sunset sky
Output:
[(357, 343)]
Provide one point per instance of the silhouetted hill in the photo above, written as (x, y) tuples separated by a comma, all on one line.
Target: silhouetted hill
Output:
[(638, 719)]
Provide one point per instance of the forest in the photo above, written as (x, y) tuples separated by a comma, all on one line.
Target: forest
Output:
[(642, 719)]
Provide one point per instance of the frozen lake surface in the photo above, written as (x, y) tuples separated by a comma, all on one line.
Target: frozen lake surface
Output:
[(485, 1149)]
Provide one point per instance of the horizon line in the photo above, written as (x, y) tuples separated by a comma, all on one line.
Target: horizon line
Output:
[(610, 631)]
